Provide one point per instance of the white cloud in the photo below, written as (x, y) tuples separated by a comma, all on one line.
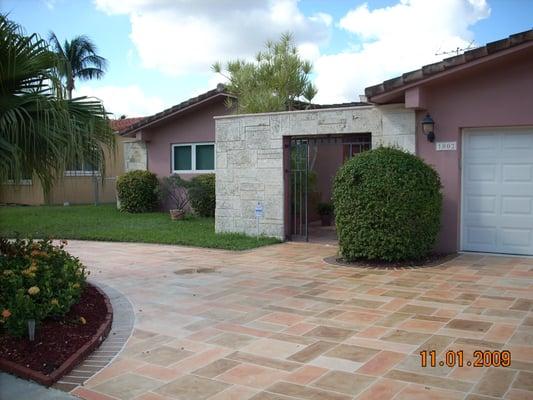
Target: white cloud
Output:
[(185, 36), (50, 4), (124, 100), (395, 40), (309, 51)]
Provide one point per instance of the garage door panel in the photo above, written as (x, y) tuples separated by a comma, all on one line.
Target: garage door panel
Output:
[(521, 141), (497, 194), (517, 172), (481, 142), (521, 206), (476, 204), (481, 235), (516, 237), (482, 172)]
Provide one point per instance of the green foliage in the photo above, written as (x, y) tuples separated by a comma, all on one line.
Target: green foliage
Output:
[(387, 206), (38, 280), (40, 132), (174, 190), (202, 195), (274, 82), (105, 222), (77, 59), (325, 209), (138, 191)]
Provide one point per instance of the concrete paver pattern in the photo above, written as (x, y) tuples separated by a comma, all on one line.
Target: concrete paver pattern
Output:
[(277, 323)]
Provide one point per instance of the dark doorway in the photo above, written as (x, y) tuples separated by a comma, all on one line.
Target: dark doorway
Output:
[(311, 165)]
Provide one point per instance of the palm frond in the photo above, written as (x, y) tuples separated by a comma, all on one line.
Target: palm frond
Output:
[(40, 132)]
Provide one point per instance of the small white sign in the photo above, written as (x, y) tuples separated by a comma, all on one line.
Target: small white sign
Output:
[(446, 146), (259, 210)]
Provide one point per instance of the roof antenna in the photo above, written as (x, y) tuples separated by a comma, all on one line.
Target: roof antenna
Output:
[(458, 50)]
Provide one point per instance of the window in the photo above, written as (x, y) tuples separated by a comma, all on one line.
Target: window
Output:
[(195, 157), (82, 169), (24, 180)]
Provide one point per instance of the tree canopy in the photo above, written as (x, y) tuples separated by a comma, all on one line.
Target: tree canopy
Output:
[(41, 132), (77, 58), (275, 81)]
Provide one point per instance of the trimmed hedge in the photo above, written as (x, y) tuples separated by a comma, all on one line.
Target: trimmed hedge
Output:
[(202, 195), (138, 191), (387, 206)]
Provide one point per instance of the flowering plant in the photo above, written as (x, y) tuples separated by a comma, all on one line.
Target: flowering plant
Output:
[(37, 280)]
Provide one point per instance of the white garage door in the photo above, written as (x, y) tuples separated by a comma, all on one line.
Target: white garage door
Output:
[(497, 187)]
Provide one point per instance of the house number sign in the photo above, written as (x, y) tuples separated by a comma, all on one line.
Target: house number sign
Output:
[(446, 146)]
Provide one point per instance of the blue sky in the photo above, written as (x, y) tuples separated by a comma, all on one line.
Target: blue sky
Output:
[(160, 51)]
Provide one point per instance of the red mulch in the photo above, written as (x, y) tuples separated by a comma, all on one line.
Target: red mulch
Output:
[(57, 339)]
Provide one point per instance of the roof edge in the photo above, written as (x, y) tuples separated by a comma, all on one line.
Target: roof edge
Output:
[(324, 109), (514, 42), (177, 109)]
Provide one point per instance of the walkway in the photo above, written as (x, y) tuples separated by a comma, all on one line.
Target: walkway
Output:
[(277, 323)]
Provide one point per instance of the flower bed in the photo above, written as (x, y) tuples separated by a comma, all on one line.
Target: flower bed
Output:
[(50, 318), (60, 343)]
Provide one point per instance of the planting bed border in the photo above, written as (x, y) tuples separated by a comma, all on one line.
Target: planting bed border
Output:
[(433, 260), (73, 360)]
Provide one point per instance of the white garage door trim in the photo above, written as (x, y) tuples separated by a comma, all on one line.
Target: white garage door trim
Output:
[(491, 228)]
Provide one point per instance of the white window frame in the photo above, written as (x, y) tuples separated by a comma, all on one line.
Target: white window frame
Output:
[(193, 158), (22, 182), (82, 172)]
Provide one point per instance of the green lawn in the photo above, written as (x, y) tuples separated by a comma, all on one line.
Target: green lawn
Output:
[(105, 222)]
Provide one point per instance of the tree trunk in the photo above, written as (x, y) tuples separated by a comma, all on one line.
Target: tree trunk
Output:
[(70, 88)]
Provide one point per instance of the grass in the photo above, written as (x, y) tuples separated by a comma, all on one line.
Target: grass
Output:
[(106, 223)]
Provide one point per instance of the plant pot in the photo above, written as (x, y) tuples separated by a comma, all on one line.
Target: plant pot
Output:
[(326, 220), (176, 215)]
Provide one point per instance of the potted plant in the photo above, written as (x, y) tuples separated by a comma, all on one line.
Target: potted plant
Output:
[(325, 210), (174, 189)]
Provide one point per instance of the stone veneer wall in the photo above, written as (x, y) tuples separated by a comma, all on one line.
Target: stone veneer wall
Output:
[(135, 156), (249, 157)]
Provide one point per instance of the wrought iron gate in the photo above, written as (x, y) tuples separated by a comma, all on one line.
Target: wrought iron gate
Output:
[(303, 152), (299, 159)]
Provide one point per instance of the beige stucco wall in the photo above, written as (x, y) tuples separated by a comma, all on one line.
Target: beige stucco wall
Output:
[(249, 157), (71, 189), (27, 193)]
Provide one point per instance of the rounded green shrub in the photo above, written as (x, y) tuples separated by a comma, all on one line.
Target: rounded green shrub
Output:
[(387, 206), (37, 280), (202, 195), (138, 191)]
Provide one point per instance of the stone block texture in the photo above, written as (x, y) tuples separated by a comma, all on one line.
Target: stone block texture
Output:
[(135, 156), (249, 154)]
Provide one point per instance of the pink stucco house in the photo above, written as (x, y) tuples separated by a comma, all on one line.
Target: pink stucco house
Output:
[(477, 108), (180, 139), (482, 105)]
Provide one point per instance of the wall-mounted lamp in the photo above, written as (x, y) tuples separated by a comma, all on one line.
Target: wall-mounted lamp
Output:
[(428, 126)]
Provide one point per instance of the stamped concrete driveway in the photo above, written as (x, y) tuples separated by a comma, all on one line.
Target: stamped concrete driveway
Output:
[(277, 323)]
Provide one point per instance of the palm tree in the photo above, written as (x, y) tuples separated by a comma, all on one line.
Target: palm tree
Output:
[(78, 59), (40, 131)]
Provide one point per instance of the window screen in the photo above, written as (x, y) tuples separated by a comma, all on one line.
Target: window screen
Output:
[(205, 157), (182, 158)]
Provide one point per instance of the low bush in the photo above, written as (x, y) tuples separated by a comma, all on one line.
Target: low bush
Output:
[(174, 191), (138, 191), (387, 206), (202, 195), (37, 280)]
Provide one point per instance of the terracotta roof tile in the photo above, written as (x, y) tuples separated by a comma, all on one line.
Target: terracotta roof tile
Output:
[(119, 125), (449, 63)]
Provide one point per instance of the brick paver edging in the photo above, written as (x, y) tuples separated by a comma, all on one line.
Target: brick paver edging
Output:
[(121, 330), (70, 363)]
